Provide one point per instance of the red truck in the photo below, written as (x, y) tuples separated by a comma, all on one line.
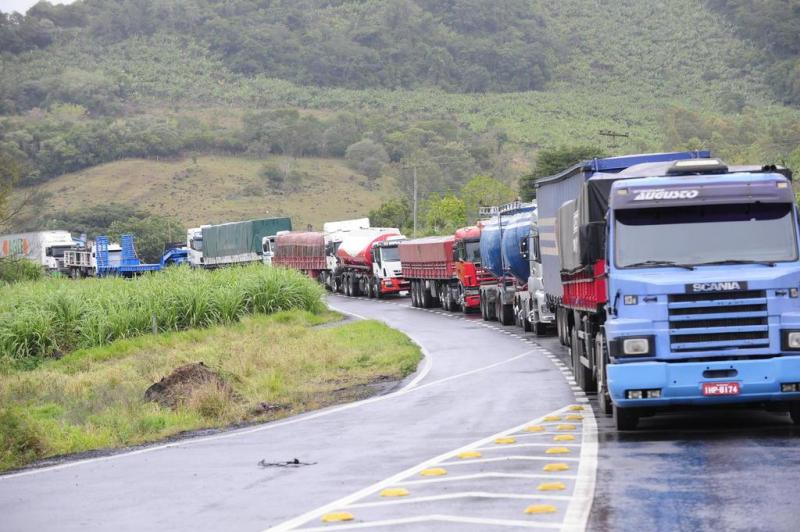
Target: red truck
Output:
[(304, 251), (444, 270)]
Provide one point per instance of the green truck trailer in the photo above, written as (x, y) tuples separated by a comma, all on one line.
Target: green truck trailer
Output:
[(232, 243)]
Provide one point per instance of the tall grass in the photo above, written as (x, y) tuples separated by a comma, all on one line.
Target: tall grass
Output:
[(52, 317)]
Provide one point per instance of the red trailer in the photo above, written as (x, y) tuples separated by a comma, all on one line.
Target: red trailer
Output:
[(301, 251), (444, 270)]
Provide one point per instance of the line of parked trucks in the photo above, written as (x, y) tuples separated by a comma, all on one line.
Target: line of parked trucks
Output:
[(673, 279)]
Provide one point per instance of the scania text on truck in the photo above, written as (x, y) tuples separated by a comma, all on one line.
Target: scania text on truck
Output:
[(444, 270), (679, 281)]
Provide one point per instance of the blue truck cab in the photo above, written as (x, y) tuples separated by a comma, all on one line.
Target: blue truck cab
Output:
[(703, 280)]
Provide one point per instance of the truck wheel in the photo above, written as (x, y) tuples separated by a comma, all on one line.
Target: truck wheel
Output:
[(539, 328), (583, 375), (370, 293), (376, 289), (346, 285), (414, 301), (356, 286), (505, 313), (794, 412), (626, 418), (427, 299)]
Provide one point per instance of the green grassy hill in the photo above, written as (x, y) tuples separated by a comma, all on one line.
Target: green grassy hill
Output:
[(459, 88), (216, 189)]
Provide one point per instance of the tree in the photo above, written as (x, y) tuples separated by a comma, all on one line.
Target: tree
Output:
[(367, 157), (484, 191), (393, 213), (445, 214), (553, 160), (10, 172), (152, 234)]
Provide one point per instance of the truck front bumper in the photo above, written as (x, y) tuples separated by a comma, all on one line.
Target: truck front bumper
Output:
[(394, 286), (681, 383)]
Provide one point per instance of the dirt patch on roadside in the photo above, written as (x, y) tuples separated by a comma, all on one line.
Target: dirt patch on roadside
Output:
[(179, 386)]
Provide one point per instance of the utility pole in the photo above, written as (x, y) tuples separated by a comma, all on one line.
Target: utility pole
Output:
[(415, 201)]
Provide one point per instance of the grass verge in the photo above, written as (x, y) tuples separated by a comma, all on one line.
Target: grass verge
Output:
[(277, 365)]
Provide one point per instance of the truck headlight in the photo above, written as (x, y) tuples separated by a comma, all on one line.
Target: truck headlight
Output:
[(790, 340), (635, 346), (632, 346)]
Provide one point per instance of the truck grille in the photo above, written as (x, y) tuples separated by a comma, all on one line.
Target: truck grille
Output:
[(718, 321)]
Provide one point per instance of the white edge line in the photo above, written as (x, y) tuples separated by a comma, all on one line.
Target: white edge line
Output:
[(437, 517), (349, 499), (580, 507)]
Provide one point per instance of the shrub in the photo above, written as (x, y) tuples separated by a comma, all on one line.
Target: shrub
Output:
[(14, 270)]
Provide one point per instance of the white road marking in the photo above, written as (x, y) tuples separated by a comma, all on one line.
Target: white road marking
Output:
[(487, 474), (394, 480), (436, 517), (510, 458), (521, 445), (580, 506), (457, 495)]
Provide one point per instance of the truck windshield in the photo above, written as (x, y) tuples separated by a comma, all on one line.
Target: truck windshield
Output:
[(390, 254), (473, 251), (58, 251), (197, 244), (700, 234)]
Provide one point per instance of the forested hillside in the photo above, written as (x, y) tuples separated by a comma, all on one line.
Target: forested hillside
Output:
[(454, 88)]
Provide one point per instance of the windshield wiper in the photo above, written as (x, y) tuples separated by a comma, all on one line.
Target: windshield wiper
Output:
[(660, 263), (736, 261)]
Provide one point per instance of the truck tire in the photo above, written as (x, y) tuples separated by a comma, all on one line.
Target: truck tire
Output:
[(505, 313), (583, 375), (539, 328), (417, 295), (354, 291), (376, 289), (370, 289), (626, 418), (427, 299), (794, 412), (346, 285), (413, 291)]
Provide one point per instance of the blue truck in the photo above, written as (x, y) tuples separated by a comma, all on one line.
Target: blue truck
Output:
[(503, 248), (675, 281)]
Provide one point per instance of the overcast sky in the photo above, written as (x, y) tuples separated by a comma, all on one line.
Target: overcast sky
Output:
[(7, 6)]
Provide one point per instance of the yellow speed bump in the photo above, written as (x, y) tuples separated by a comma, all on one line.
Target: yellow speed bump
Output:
[(563, 437), (337, 516), (556, 467), (552, 486), (540, 509), (433, 472), (557, 450), (551, 418), (566, 427), (534, 428), (576, 408), (574, 417), (394, 492), (469, 454), (505, 441)]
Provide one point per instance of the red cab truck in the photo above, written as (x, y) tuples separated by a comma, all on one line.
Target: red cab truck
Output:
[(444, 270)]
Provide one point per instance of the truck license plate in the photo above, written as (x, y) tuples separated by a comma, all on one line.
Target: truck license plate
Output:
[(720, 388)]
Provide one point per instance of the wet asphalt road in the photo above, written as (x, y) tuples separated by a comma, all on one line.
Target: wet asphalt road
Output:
[(478, 382), (714, 470)]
